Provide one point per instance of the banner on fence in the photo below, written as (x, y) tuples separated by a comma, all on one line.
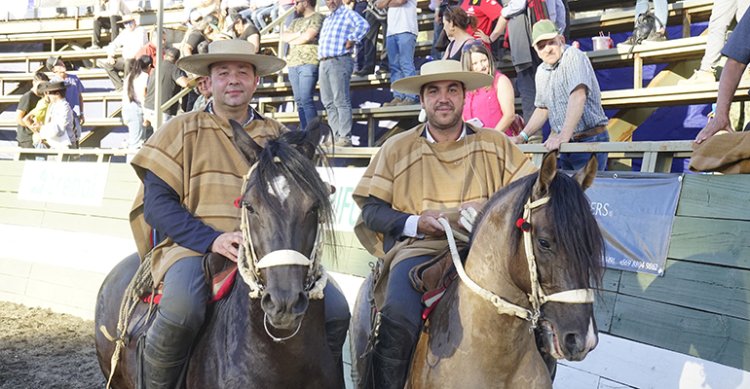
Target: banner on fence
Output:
[(80, 183), (636, 217), (634, 214)]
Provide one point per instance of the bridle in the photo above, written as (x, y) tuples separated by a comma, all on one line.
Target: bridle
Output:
[(249, 265), (537, 297)]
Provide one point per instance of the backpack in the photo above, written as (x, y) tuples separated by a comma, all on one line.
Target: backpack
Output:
[(644, 25)]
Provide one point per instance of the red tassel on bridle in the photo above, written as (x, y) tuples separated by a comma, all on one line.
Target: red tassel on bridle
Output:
[(523, 225), (238, 202)]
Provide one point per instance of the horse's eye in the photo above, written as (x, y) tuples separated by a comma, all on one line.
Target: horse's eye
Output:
[(249, 208), (544, 243)]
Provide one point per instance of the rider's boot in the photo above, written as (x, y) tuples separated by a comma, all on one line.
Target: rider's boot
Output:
[(336, 336), (392, 353), (165, 353)]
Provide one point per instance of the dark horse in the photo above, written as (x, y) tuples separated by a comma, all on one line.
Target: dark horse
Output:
[(277, 340), (533, 256)]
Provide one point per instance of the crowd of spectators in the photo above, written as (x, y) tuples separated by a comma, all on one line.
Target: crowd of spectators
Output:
[(325, 51)]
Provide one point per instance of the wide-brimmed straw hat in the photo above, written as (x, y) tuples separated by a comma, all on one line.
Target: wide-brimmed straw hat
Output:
[(444, 70), (231, 50), (126, 18), (51, 86), (52, 62)]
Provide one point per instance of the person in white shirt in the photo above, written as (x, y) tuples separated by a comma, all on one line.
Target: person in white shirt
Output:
[(133, 96), (131, 39), (401, 41), (108, 14), (59, 130)]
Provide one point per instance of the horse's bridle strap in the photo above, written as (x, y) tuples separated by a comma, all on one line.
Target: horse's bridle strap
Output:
[(576, 296), (537, 297), (283, 257)]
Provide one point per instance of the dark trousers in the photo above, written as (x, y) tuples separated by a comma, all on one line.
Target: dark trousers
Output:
[(109, 22), (182, 311), (113, 70), (403, 304), (436, 52), (367, 48), (400, 321), (526, 88)]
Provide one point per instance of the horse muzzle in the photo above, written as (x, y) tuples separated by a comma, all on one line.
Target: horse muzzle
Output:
[(284, 311), (572, 346)]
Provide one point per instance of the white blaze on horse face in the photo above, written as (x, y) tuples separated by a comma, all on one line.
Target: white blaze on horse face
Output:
[(279, 186), (591, 338)]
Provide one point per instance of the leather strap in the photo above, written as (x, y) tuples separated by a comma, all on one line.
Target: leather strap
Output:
[(589, 133)]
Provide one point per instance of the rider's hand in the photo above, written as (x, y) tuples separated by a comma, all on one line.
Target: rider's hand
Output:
[(227, 244), (429, 225)]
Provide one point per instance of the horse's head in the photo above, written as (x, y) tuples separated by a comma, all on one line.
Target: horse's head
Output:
[(568, 250), (285, 207), (553, 257)]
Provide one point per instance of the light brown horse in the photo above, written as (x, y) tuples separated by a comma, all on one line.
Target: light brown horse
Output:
[(531, 262)]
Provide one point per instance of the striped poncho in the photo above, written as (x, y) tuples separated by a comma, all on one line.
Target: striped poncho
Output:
[(195, 155), (414, 175)]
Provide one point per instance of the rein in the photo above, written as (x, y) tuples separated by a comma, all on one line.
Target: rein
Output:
[(537, 297), (249, 265)]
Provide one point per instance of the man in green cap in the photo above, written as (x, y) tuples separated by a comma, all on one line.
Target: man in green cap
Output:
[(568, 95)]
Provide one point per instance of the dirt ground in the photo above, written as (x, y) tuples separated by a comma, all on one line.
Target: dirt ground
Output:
[(42, 349)]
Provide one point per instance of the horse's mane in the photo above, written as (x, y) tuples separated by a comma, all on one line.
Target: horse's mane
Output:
[(282, 156), (577, 233)]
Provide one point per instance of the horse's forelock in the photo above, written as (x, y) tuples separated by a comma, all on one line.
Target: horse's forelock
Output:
[(578, 234), (280, 157), (572, 222)]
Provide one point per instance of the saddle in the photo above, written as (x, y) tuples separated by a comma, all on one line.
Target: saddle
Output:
[(432, 278), (219, 272)]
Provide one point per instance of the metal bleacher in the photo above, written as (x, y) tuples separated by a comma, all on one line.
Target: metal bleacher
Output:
[(273, 95)]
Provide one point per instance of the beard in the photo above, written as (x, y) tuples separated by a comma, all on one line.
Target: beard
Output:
[(441, 120)]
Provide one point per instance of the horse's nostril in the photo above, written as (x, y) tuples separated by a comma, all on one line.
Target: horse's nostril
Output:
[(268, 304), (300, 306), (573, 343)]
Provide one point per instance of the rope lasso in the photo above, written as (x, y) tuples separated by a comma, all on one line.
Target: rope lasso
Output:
[(132, 295)]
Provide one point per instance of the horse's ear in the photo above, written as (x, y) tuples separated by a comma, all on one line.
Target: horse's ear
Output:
[(248, 147), (315, 131), (547, 173), (585, 176)]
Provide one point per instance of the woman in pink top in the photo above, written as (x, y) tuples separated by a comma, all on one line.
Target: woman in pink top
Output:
[(493, 106)]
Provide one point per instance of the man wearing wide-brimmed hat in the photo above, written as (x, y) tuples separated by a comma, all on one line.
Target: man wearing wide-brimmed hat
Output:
[(59, 129), (442, 167), (73, 87), (192, 169)]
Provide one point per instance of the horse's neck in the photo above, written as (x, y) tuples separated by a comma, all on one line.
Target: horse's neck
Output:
[(489, 268), (484, 321), (484, 343), (479, 318)]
